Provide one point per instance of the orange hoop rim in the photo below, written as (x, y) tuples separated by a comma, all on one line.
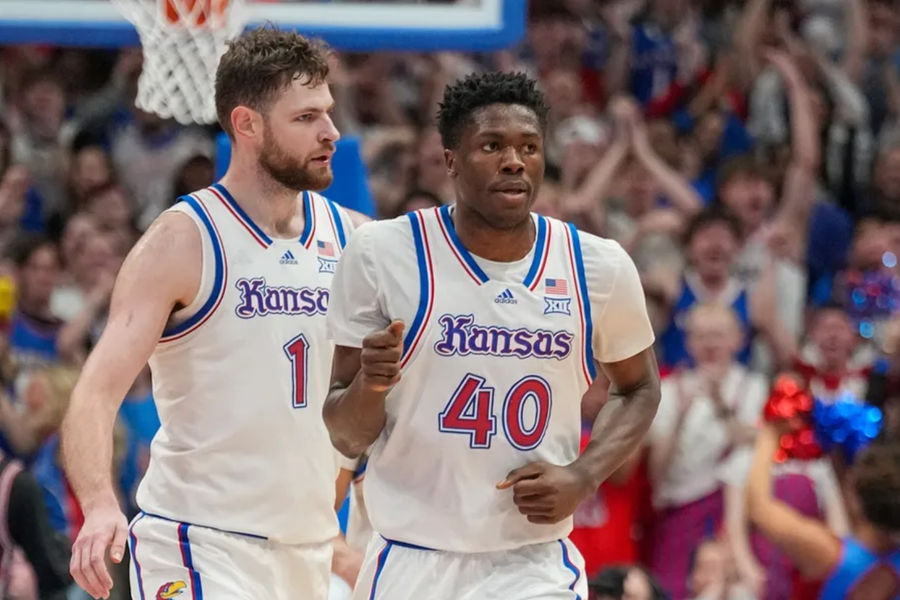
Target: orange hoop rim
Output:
[(195, 13)]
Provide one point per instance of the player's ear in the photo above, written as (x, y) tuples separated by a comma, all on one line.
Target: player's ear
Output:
[(450, 161), (245, 122)]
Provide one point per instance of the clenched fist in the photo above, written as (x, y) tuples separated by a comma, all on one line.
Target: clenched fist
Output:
[(547, 493), (380, 357)]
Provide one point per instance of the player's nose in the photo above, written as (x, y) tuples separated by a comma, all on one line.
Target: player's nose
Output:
[(330, 132), (511, 162)]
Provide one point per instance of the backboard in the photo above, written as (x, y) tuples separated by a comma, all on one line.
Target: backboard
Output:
[(474, 25)]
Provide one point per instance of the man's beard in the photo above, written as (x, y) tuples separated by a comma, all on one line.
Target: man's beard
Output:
[(289, 171)]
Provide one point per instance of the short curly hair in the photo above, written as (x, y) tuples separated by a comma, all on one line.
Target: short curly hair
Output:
[(876, 478), (262, 63), (713, 215), (465, 96)]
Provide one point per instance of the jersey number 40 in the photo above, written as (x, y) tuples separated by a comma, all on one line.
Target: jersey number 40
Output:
[(471, 411)]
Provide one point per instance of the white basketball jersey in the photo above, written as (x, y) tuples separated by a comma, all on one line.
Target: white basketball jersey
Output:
[(240, 380), (492, 378)]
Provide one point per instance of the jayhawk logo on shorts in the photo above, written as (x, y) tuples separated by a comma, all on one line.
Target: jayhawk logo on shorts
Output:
[(170, 590)]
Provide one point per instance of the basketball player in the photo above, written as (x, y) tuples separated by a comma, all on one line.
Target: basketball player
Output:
[(467, 336), (225, 295)]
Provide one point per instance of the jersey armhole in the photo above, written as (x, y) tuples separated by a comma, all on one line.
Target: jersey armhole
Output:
[(212, 273), (581, 289), (340, 219), (426, 285)]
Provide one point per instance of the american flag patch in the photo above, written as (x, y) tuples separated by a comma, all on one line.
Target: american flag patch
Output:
[(556, 287), (325, 248)]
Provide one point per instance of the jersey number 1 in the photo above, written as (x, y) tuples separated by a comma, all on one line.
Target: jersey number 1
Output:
[(297, 351), (471, 410)]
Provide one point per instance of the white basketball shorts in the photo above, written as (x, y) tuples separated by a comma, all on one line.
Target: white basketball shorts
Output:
[(172, 560), (397, 571)]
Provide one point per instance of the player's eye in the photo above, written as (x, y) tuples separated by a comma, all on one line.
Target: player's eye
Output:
[(531, 148), (490, 146), (305, 117)]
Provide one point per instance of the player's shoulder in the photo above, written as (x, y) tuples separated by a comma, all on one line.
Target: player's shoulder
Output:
[(345, 220), (385, 234)]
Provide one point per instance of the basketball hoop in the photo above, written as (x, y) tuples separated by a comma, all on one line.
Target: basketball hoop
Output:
[(182, 42)]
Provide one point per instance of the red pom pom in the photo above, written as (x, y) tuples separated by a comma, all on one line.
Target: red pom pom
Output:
[(791, 403), (788, 400)]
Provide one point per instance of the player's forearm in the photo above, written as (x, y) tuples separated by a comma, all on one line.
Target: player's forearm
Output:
[(619, 430), (354, 416), (87, 447)]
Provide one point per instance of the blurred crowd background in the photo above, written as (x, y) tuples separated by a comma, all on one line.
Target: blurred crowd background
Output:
[(746, 153)]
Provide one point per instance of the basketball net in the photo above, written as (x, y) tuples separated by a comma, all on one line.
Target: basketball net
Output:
[(182, 42)]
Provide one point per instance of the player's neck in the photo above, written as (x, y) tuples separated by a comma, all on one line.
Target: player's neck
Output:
[(273, 207), (488, 242)]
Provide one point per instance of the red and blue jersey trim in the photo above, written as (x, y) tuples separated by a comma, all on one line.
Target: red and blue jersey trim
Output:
[(229, 531), (470, 266), (456, 246), (426, 286), (243, 218), (309, 227), (337, 224), (134, 559), (188, 561), (576, 262), (541, 253), (379, 569), (220, 279), (309, 212), (567, 562)]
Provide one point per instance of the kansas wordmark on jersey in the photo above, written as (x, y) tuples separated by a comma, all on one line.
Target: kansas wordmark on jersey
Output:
[(240, 376), (496, 357)]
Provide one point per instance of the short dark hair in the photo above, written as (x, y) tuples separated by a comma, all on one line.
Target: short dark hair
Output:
[(262, 63), (465, 96), (829, 306), (744, 165), (23, 246), (876, 477), (610, 582), (712, 215)]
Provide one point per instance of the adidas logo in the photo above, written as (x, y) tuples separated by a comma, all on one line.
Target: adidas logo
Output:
[(505, 297), (287, 258)]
